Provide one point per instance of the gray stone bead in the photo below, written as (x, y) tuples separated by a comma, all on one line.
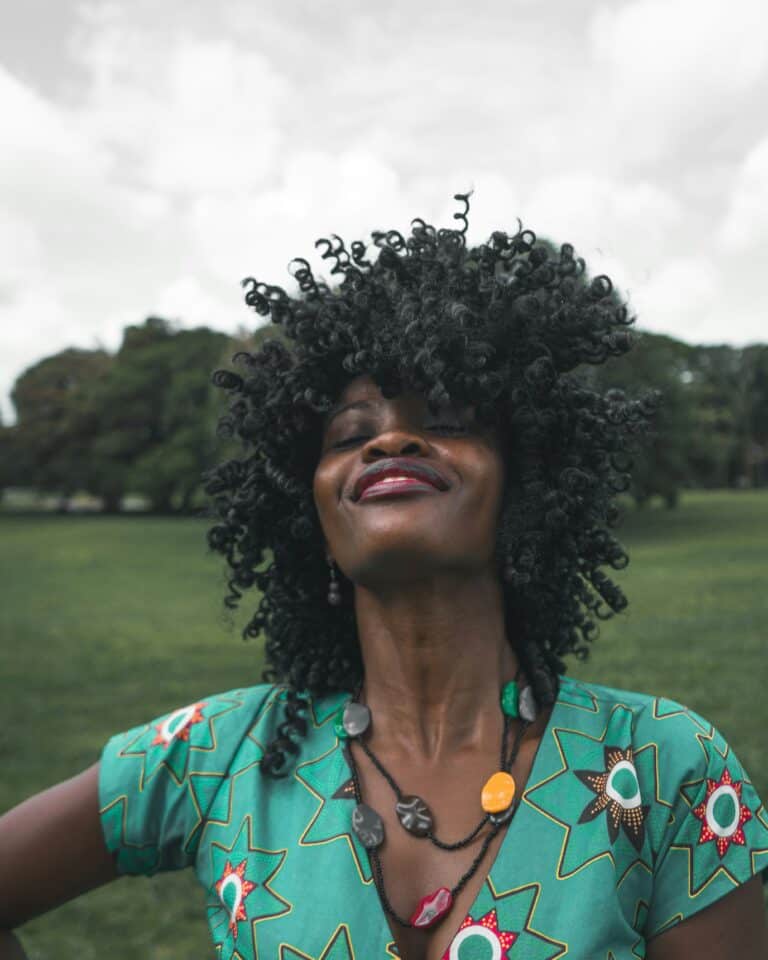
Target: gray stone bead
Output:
[(527, 705), (357, 718), (368, 826), (414, 815)]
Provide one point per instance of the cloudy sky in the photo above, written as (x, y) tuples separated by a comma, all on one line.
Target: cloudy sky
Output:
[(154, 153)]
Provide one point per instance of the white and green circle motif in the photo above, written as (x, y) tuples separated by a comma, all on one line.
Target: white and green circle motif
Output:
[(231, 895), (475, 942), (177, 722), (723, 811), (622, 786)]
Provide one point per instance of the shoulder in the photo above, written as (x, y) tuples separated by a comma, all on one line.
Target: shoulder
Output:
[(210, 722), (157, 780), (706, 826), (212, 733), (647, 718)]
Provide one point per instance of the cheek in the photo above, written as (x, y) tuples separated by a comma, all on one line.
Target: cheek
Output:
[(325, 486), (487, 481)]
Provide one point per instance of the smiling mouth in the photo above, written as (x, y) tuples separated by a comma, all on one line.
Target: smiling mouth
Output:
[(396, 486), (398, 475)]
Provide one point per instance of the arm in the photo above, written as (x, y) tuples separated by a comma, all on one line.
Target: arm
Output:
[(733, 926), (51, 850)]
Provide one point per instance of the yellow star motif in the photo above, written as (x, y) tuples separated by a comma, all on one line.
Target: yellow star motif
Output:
[(338, 947)]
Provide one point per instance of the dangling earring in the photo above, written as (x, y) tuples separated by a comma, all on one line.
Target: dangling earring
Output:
[(334, 590)]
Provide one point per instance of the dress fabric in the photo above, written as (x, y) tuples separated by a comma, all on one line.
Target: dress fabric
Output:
[(636, 815)]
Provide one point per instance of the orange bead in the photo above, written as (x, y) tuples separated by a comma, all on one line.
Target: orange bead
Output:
[(498, 792)]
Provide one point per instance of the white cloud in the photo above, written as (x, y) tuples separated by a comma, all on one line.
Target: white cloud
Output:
[(199, 146), (183, 113), (746, 222), (318, 193), (672, 72), (619, 228), (190, 301), (671, 55), (679, 298)]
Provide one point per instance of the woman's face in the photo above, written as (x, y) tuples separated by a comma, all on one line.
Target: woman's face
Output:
[(404, 494)]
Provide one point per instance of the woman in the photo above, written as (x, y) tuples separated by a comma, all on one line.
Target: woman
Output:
[(424, 501)]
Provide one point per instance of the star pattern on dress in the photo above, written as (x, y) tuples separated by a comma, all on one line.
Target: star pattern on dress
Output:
[(166, 744), (176, 725), (259, 867), (618, 798), (346, 791), (513, 913), (327, 779), (484, 930), (563, 797), (705, 862), (664, 709), (339, 947), (575, 695), (728, 828), (132, 857), (323, 709), (233, 879)]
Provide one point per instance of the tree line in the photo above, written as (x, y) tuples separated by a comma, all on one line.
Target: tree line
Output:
[(143, 420)]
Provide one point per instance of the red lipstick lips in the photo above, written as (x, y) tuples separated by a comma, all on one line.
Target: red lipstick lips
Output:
[(397, 475)]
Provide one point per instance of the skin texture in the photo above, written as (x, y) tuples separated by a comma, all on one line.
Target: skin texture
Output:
[(51, 850), (430, 621)]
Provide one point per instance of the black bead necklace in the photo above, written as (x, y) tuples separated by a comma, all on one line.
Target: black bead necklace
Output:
[(403, 800), (498, 801)]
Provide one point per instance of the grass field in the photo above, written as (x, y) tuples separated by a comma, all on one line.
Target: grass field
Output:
[(105, 623)]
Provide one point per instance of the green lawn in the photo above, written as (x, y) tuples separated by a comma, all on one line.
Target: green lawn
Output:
[(105, 623)]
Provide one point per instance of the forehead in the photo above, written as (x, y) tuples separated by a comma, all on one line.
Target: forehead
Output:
[(364, 393)]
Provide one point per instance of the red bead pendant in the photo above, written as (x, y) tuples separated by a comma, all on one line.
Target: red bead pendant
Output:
[(432, 908)]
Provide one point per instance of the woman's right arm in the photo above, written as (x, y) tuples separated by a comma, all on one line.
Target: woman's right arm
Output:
[(51, 850)]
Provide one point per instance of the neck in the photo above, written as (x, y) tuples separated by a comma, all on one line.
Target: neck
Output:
[(436, 655)]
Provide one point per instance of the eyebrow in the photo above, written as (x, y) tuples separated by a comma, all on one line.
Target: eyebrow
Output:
[(343, 407)]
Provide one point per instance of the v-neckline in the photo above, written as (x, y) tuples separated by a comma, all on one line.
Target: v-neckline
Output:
[(506, 842)]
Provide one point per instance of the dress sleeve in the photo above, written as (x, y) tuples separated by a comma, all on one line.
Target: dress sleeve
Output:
[(716, 835), (157, 781)]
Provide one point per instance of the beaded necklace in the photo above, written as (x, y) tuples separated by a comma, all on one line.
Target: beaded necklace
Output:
[(497, 800)]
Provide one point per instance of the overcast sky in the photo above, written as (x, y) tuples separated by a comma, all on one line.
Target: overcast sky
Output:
[(154, 153)]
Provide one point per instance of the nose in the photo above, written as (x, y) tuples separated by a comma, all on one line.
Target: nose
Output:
[(394, 443)]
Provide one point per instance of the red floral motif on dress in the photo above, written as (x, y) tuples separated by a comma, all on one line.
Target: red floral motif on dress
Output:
[(489, 922), (710, 829), (242, 888), (166, 736)]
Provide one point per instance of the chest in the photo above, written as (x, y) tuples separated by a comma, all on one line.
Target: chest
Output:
[(285, 876), (413, 867)]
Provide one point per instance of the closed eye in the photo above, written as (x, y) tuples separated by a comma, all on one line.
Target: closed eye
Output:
[(348, 441), (447, 428)]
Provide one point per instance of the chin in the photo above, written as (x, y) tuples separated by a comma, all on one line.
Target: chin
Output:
[(407, 561), (398, 562)]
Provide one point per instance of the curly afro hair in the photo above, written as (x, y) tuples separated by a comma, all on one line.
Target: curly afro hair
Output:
[(503, 326)]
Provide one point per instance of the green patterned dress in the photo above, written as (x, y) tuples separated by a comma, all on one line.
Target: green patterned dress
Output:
[(636, 815)]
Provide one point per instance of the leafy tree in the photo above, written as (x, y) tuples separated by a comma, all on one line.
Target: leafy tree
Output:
[(755, 365), (54, 428), (180, 433), (663, 464)]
